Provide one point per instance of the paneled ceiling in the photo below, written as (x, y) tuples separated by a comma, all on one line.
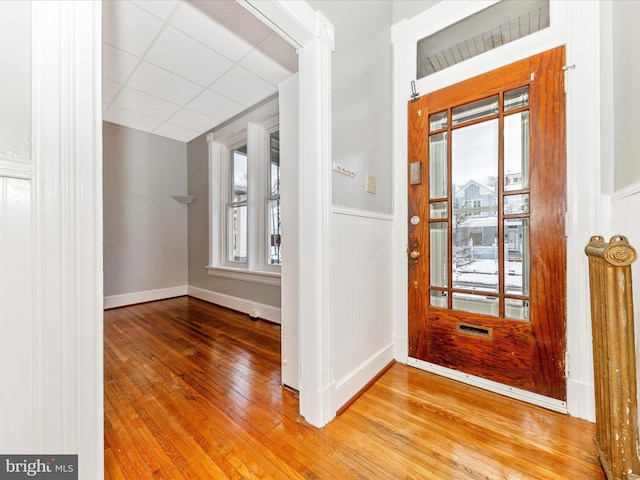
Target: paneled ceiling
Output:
[(178, 69)]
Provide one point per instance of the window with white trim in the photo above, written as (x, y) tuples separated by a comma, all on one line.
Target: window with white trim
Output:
[(244, 191)]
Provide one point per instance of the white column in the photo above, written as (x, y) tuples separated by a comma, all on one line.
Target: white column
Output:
[(317, 386)]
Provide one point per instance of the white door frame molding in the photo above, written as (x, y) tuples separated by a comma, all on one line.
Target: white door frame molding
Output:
[(314, 37), (66, 199)]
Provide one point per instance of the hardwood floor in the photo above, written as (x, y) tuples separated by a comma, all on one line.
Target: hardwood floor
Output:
[(193, 391)]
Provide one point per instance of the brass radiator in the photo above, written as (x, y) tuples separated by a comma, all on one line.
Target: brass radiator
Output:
[(614, 358)]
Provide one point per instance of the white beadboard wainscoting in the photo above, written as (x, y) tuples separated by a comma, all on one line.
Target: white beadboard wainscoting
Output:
[(361, 298)]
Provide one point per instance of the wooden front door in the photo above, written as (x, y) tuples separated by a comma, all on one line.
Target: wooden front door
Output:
[(486, 247)]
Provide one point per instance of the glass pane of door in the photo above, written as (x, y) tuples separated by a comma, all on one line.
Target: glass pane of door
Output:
[(516, 151), (474, 169), (438, 165)]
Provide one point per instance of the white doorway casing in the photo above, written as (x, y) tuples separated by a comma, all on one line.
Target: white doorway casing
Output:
[(313, 35)]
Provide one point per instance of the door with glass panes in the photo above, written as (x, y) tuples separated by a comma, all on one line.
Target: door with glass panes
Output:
[(486, 246)]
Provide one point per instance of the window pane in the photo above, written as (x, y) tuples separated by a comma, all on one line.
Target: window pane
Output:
[(485, 30), (438, 121), (516, 246), (473, 111), (516, 98), (239, 174), (237, 233), (438, 210), (516, 309), (274, 171), (516, 151), (515, 204), (474, 168), (476, 304), (438, 165), (273, 223), (438, 251), (438, 299)]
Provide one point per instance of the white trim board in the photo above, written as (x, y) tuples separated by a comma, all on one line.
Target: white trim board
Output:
[(349, 386), (495, 387), (251, 308), (114, 301)]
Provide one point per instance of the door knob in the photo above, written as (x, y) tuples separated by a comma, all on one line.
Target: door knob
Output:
[(414, 255)]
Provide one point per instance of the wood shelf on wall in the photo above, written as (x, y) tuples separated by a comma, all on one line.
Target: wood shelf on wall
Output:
[(184, 199)]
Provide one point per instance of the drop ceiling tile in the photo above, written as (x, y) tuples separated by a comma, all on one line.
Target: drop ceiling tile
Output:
[(176, 132), (194, 23), (128, 27), (137, 101), (194, 120), (131, 119), (160, 8), (117, 64), (278, 49), (265, 67), (215, 105), (160, 83), (109, 90), (177, 52), (243, 86)]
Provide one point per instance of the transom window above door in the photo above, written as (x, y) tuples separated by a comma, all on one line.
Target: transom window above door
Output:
[(497, 25)]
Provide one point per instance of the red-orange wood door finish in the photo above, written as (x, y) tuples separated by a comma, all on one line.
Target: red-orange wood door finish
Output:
[(487, 261)]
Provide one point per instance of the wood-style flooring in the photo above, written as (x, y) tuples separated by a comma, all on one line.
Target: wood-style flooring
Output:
[(193, 391)]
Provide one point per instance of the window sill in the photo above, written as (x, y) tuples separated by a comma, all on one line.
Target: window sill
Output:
[(254, 276)]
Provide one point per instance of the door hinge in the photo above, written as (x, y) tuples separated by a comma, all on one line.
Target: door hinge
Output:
[(566, 69)]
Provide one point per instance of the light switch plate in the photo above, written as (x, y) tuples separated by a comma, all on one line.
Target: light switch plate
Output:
[(371, 184)]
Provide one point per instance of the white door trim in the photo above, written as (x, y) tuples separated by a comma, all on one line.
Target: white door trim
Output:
[(313, 35), (67, 231)]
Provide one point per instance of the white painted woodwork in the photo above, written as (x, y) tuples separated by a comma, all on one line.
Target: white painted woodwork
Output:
[(314, 36), (58, 347), (289, 216), (132, 298), (360, 313), (17, 349), (588, 209), (317, 398), (401, 93), (250, 307)]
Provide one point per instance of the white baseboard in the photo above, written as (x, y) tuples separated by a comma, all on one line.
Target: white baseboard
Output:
[(114, 301), (253, 309), (581, 400), (506, 390), (349, 386)]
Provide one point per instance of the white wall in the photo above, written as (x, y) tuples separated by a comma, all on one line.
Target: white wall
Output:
[(145, 230), (361, 101), (626, 71), (410, 8)]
